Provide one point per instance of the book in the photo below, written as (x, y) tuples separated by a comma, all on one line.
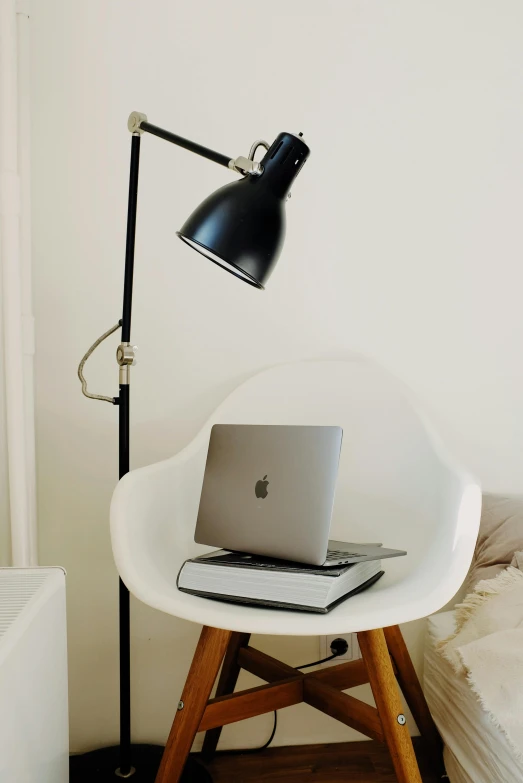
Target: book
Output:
[(241, 578)]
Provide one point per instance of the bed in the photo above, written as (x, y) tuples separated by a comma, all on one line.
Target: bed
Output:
[(476, 751)]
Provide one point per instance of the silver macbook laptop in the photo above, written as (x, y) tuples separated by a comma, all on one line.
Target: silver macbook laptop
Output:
[(269, 490)]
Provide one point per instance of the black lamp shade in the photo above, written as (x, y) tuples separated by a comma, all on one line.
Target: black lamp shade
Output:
[(241, 226)]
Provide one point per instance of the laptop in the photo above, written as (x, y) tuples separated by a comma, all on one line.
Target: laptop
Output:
[(269, 490)]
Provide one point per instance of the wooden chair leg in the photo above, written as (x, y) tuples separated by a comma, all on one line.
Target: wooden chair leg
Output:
[(385, 690), (414, 696), (200, 680), (226, 685)]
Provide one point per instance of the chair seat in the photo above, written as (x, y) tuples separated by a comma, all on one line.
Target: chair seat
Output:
[(396, 485)]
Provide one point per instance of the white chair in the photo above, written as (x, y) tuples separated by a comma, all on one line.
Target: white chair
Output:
[(396, 484)]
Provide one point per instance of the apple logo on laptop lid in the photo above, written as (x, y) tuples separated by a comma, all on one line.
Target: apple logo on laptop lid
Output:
[(260, 490)]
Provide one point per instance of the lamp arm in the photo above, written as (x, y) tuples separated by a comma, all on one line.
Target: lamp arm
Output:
[(138, 123)]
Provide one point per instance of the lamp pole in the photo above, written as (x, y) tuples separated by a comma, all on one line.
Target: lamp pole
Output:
[(125, 358)]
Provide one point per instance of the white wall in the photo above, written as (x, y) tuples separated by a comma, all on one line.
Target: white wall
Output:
[(404, 243)]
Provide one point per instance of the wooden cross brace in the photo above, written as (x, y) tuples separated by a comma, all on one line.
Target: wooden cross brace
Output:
[(288, 686)]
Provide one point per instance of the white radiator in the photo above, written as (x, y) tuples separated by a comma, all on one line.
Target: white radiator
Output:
[(34, 740)]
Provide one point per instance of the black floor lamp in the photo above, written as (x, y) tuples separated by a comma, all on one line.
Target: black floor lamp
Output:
[(241, 227)]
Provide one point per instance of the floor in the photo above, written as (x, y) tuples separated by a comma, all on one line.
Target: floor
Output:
[(350, 762)]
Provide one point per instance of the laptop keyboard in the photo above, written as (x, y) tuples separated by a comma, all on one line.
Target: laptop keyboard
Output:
[(338, 554)]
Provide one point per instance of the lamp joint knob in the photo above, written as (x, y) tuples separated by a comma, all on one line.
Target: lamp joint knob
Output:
[(126, 354), (135, 120), (245, 166)]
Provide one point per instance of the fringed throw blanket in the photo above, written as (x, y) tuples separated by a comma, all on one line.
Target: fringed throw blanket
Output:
[(488, 648)]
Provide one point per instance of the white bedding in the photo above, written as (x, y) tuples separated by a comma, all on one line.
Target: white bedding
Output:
[(476, 751)]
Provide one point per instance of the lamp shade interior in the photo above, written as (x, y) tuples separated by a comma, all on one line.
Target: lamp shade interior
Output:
[(221, 261)]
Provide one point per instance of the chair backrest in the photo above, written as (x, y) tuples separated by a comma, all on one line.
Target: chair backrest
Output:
[(396, 483)]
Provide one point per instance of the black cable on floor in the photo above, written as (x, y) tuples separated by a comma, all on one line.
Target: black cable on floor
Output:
[(244, 751)]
